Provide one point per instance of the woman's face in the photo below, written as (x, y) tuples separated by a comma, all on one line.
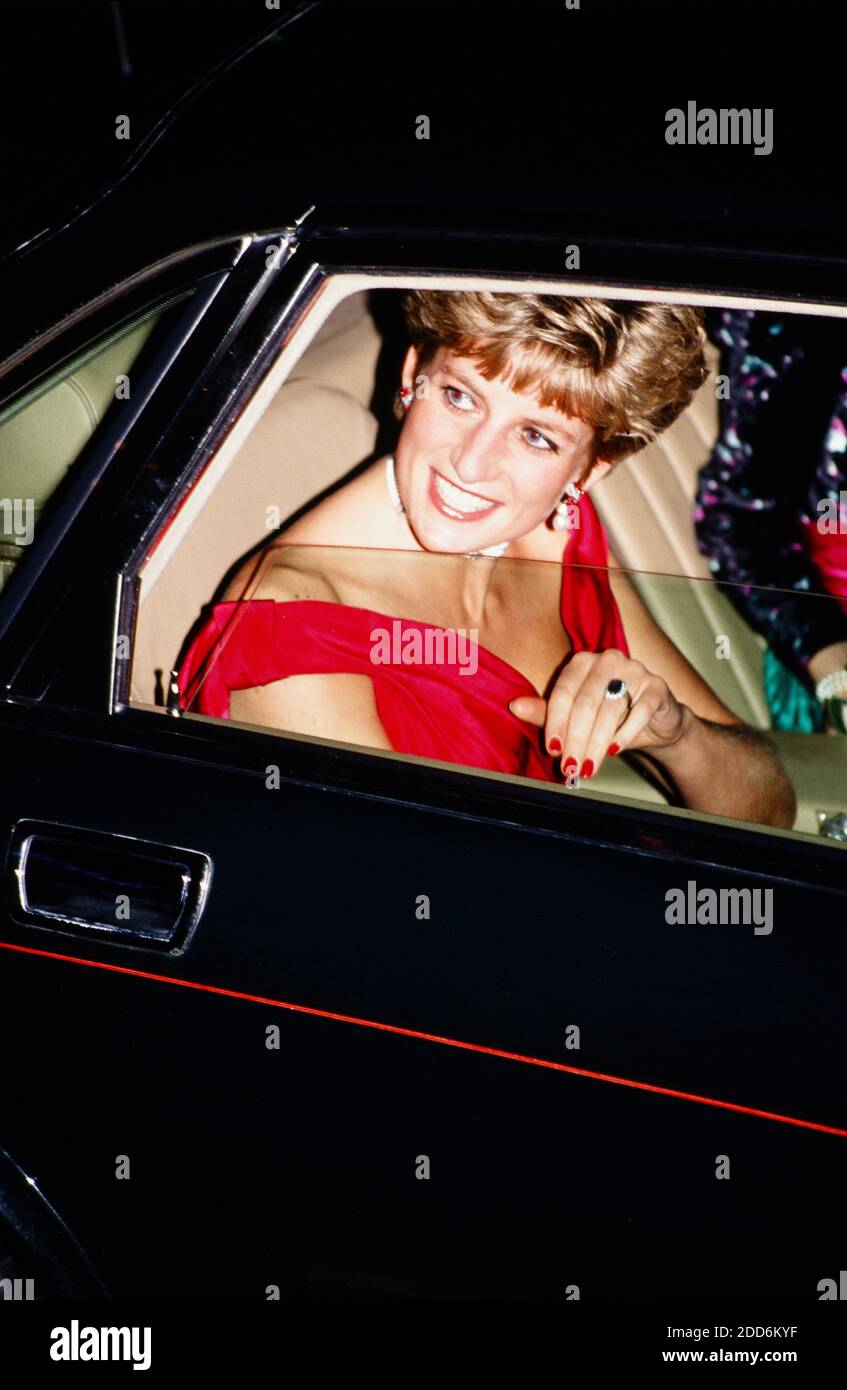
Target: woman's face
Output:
[(477, 462)]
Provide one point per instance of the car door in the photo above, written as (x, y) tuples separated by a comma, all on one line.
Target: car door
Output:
[(292, 1018)]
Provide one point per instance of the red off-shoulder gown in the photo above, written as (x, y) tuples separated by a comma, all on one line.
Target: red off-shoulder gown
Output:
[(431, 710)]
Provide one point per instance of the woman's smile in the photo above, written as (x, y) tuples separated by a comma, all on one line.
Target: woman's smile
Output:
[(456, 502)]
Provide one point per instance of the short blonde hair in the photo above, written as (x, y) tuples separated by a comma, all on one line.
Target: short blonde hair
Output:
[(629, 369)]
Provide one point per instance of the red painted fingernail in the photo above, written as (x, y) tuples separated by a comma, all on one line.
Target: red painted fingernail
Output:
[(587, 768), (568, 764), (613, 750), (555, 745)]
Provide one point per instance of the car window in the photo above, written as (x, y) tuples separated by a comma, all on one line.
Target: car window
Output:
[(299, 611), (328, 410), (44, 431)]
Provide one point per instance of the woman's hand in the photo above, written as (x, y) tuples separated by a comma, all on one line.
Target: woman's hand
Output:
[(582, 725)]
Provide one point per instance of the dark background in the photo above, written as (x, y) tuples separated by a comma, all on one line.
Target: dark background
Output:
[(66, 71), (530, 104)]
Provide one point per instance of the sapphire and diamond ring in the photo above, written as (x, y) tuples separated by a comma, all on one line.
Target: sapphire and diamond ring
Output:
[(615, 690)]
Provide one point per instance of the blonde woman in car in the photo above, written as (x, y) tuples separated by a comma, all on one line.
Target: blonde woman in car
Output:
[(514, 408)]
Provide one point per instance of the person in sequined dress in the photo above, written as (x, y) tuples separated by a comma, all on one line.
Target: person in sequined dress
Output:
[(771, 510)]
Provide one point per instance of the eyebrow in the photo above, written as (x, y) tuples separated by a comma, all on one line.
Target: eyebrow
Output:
[(538, 424)]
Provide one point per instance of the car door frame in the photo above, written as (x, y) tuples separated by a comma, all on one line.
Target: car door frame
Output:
[(238, 342)]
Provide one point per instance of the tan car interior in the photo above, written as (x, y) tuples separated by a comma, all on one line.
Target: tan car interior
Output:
[(319, 425)]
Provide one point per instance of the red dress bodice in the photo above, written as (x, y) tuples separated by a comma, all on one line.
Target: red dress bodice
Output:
[(436, 708)]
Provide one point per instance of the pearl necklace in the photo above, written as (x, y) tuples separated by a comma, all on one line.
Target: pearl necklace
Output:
[(396, 502)]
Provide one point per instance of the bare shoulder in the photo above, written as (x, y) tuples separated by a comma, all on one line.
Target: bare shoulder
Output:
[(283, 573), (340, 706), (311, 551)]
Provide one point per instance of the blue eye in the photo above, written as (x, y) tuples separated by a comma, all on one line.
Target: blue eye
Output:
[(446, 393), (549, 446)]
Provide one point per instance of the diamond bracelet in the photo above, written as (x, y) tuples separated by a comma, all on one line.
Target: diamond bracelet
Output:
[(832, 687)]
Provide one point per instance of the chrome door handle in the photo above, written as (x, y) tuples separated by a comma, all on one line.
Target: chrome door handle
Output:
[(96, 884)]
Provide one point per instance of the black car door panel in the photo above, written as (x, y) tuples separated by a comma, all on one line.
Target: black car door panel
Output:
[(406, 1037)]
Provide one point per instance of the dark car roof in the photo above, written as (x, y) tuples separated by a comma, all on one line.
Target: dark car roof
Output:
[(548, 123)]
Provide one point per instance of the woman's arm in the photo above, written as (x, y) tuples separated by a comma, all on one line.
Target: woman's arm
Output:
[(728, 770), (713, 761), (717, 748), (340, 707), (650, 645)]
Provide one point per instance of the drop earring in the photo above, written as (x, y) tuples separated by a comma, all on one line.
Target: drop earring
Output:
[(403, 398), (562, 511)]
